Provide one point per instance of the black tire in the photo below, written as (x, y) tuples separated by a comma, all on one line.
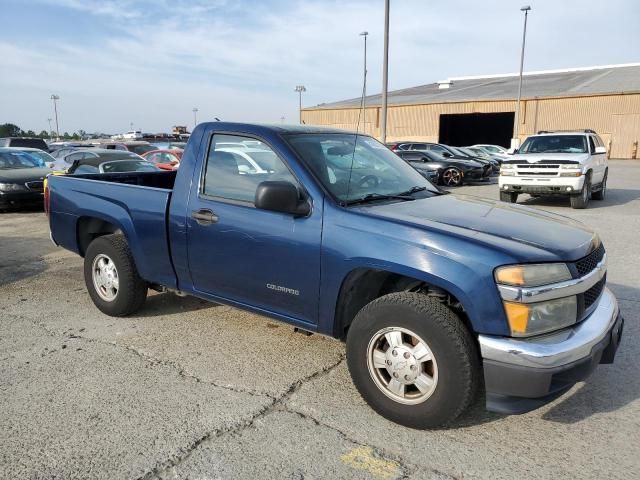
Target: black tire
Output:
[(508, 197), (582, 199), (451, 177), (132, 290), (455, 353), (600, 194)]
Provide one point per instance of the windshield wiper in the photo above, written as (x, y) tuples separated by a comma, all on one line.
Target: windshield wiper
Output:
[(413, 190), (373, 197)]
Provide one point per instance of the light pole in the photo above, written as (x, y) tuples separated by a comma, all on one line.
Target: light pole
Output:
[(195, 117), (300, 89), (55, 98), (516, 130), (385, 72), (49, 120), (364, 84)]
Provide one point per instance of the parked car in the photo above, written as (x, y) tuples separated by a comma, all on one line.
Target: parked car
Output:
[(164, 159), (480, 157), (44, 159), (452, 172), (64, 163), (135, 147), (395, 146), (21, 179), (570, 164), (251, 160), (429, 170), (493, 149), (29, 142), (132, 135), (102, 164), (484, 154), (434, 294)]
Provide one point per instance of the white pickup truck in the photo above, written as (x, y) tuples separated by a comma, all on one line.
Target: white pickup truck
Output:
[(572, 164)]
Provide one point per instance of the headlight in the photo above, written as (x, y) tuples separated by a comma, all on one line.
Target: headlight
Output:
[(507, 166), (527, 319), (12, 187), (569, 166), (532, 275), (507, 173)]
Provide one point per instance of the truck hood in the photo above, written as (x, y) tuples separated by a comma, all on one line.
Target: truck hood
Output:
[(22, 175), (471, 217), (536, 157)]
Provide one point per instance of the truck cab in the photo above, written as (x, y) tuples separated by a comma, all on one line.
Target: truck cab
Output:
[(571, 164)]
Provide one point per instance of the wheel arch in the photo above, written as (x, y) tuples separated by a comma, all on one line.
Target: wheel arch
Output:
[(362, 285)]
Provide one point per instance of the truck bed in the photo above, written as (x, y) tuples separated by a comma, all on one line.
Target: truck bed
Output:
[(83, 206)]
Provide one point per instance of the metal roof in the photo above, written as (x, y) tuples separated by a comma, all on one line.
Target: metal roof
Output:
[(555, 83)]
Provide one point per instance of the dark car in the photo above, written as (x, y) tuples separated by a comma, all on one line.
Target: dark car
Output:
[(38, 143), (21, 179), (452, 172), (495, 164), (110, 162)]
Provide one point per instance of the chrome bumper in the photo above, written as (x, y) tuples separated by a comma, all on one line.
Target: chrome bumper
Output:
[(558, 348)]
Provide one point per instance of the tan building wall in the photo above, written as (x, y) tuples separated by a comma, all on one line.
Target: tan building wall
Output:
[(615, 117)]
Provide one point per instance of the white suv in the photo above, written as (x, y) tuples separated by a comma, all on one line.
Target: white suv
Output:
[(573, 164)]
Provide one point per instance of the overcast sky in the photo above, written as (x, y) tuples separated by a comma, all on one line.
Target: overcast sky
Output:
[(150, 62)]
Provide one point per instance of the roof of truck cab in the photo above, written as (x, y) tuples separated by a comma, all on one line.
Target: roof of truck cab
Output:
[(275, 128)]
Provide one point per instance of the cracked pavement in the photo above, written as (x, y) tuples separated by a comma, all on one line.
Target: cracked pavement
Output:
[(191, 390)]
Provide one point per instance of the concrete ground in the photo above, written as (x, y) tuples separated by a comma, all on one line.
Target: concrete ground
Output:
[(190, 390)]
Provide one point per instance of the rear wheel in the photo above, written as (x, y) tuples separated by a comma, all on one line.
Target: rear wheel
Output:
[(600, 194), (582, 200), (412, 360), (111, 276), (509, 197), (452, 177)]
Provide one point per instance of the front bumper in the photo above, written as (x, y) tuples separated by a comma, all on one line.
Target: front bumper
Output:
[(541, 185), (524, 374), (21, 199)]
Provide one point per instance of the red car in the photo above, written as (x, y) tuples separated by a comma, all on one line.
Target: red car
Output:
[(164, 159)]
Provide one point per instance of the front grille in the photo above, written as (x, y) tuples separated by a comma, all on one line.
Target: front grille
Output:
[(534, 165), (588, 263), (536, 174), (591, 295), (37, 186)]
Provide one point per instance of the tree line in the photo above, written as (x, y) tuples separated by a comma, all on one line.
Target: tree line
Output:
[(12, 130)]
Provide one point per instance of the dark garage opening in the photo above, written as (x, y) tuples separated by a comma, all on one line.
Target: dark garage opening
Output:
[(462, 129)]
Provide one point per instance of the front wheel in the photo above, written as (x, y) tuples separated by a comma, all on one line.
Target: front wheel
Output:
[(582, 200), (452, 177), (111, 277), (412, 360)]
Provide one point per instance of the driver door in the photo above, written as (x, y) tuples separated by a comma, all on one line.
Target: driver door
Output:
[(264, 259)]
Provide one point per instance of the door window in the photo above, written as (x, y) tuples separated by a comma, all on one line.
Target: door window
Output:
[(226, 178), (592, 146)]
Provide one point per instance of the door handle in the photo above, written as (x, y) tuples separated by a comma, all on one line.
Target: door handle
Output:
[(204, 216)]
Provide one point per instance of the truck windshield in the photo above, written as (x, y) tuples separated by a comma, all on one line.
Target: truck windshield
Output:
[(353, 167), (555, 144)]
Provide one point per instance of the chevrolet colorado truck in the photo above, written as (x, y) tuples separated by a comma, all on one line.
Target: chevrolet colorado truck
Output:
[(570, 164), (434, 294)]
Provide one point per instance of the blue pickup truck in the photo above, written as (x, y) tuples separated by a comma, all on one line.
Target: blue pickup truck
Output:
[(435, 294)]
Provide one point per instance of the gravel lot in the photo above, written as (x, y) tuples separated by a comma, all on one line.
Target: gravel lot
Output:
[(188, 389)]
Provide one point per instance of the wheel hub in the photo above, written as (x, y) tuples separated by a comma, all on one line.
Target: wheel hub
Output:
[(402, 365)]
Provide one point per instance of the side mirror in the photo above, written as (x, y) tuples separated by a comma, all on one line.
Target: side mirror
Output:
[(601, 150), (446, 155), (279, 196)]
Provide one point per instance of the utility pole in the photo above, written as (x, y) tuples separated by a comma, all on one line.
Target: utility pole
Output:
[(300, 89), (49, 120), (364, 84), (516, 131), (195, 117), (385, 73), (55, 98)]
